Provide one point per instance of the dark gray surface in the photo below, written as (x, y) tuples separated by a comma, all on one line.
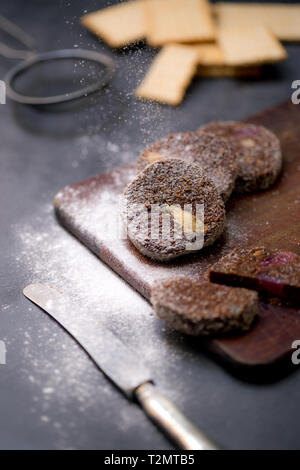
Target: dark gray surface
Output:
[(51, 394)]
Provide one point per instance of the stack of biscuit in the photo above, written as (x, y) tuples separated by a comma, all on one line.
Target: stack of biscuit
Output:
[(197, 38)]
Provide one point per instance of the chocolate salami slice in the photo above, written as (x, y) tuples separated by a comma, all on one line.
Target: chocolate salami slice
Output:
[(258, 150), (203, 308), (171, 209), (213, 154), (275, 273)]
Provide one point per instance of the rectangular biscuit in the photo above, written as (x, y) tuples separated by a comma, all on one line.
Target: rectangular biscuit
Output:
[(249, 45), (282, 19), (210, 54), (169, 75), (182, 21), (118, 25), (212, 64)]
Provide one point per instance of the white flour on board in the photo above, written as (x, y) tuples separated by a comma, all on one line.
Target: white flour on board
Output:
[(54, 257)]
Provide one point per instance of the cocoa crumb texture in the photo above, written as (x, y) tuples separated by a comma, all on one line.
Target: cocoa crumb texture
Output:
[(259, 156), (201, 307), (271, 271), (172, 185), (212, 153)]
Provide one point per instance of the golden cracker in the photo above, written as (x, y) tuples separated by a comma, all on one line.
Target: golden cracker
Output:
[(210, 54), (282, 19), (212, 64), (211, 57), (169, 75), (249, 45), (118, 25), (182, 21)]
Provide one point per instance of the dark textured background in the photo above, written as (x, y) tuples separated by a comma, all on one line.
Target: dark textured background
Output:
[(39, 155)]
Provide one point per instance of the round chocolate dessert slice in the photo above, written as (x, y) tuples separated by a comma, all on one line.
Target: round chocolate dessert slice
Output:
[(171, 209), (258, 151), (202, 308), (214, 154)]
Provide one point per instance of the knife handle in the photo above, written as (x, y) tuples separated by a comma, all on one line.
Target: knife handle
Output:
[(165, 414)]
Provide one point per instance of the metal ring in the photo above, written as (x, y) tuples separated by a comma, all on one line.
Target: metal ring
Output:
[(57, 55)]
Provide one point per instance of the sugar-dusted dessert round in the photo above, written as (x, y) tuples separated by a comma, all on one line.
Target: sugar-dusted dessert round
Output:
[(214, 154), (171, 209), (203, 308), (258, 151), (271, 272)]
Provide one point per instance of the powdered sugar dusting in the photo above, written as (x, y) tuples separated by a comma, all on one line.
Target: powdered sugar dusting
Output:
[(53, 257), (98, 145)]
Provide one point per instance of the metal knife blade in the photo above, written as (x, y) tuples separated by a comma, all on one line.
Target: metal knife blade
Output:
[(120, 364)]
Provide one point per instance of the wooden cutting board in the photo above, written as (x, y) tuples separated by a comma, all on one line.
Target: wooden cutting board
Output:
[(88, 209)]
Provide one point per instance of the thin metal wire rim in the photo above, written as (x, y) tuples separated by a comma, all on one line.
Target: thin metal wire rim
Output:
[(57, 55)]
